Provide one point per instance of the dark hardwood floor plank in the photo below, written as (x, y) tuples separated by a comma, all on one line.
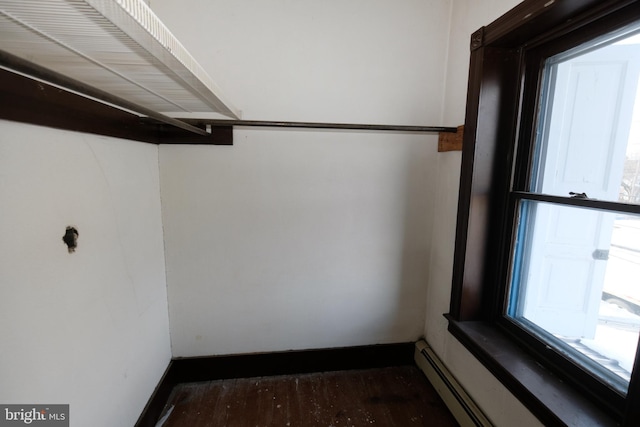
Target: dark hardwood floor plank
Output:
[(396, 396)]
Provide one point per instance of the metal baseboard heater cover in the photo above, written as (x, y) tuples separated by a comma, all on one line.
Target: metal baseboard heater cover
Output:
[(118, 46), (463, 408)]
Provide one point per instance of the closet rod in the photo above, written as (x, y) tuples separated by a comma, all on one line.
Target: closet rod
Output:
[(316, 125), (21, 66)]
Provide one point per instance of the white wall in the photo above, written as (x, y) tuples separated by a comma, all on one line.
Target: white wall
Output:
[(90, 328), (305, 239), (288, 239), (497, 402)]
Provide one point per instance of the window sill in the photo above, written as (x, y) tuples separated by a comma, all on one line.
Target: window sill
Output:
[(551, 400)]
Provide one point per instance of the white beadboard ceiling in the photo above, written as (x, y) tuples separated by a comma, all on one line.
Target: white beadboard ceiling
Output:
[(118, 46)]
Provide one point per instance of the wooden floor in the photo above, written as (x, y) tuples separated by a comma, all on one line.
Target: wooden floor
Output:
[(397, 396)]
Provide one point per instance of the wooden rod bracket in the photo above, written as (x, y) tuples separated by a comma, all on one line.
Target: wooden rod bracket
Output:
[(451, 141)]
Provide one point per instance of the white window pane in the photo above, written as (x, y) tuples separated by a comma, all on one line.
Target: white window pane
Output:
[(589, 136), (577, 277)]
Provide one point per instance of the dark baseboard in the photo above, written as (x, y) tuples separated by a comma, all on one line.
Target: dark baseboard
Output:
[(193, 369), (153, 409)]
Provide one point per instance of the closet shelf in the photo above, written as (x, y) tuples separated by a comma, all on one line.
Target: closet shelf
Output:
[(119, 47)]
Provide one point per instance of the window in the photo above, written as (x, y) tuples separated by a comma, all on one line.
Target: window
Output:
[(548, 242), (576, 268)]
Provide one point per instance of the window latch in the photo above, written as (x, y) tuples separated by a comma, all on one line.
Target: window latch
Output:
[(600, 254), (578, 195)]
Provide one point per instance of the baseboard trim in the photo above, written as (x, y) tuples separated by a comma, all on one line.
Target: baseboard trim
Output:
[(461, 405), (209, 368), (153, 409)]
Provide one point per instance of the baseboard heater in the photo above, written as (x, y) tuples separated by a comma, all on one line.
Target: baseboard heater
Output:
[(463, 408)]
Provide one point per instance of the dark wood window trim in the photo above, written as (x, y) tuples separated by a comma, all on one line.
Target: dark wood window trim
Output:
[(499, 112), (545, 394)]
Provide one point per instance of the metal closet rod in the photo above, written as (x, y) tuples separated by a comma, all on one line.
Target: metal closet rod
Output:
[(317, 125), (17, 64)]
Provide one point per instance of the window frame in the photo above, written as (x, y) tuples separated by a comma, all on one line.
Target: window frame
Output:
[(505, 75)]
